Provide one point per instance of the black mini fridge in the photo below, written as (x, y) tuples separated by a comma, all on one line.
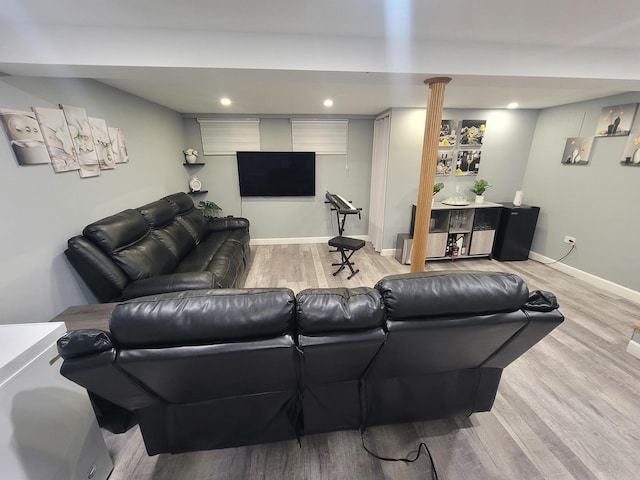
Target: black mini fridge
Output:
[(515, 232)]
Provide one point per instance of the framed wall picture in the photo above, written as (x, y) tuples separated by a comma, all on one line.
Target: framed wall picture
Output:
[(448, 133), (616, 121), (631, 154), (577, 151), (82, 140), (472, 132), (57, 138), (25, 137)]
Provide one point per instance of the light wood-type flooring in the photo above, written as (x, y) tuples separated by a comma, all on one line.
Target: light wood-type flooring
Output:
[(567, 409)]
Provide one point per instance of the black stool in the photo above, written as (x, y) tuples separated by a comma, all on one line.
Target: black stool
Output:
[(344, 245)]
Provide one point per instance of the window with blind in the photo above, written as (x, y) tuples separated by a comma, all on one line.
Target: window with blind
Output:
[(226, 137), (325, 137)]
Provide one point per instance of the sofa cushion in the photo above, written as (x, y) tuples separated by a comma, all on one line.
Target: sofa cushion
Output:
[(176, 238), (117, 231), (424, 295), (202, 317), (323, 310), (126, 238), (159, 213)]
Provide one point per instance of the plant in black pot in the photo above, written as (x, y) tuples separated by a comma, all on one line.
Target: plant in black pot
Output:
[(209, 209)]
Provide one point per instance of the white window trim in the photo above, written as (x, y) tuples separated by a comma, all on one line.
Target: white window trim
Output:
[(325, 137), (226, 137)]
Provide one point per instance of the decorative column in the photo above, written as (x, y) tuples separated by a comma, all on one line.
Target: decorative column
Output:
[(428, 170)]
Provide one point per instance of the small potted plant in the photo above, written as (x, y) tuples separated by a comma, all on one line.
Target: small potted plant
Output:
[(436, 188), (209, 209), (190, 155), (479, 187)]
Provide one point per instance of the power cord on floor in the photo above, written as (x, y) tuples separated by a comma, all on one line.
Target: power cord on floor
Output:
[(422, 446), (561, 258)]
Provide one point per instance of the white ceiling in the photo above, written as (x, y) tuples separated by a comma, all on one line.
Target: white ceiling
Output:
[(286, 56)]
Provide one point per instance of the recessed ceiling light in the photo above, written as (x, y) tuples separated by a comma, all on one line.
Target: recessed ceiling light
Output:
[(328, 102), (225, 101), (513, 105)]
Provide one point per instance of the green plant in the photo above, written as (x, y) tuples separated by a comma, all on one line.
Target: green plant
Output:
[(209, 209), (437, 187), (479, 186)]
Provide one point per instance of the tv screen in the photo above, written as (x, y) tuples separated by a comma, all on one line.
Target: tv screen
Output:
[(277, 174)]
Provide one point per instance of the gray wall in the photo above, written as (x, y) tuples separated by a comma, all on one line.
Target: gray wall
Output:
[(42, 209), (504, 158), (287, 217), (596, 203)]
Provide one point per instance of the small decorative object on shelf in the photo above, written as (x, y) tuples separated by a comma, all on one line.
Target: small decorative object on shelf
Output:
[(195, 184), (190, 155), (479, 187)]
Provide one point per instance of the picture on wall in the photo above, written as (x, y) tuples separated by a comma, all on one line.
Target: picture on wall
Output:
[(577, 150), (82, 140), (102, 142), (631, 154), (123, 154), (115, 147), (25, 137), (472, 132), (448, 133), (444, 162), (57, 139), (616, 121), (468, 162)]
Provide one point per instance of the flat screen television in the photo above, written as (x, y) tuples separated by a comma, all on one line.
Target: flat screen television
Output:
[(277, 174)]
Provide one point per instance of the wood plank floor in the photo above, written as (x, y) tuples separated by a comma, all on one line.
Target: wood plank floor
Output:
[(567, 409)]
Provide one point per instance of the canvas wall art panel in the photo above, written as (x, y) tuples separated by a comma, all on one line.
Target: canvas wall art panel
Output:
[(102, 142), (616, 121), (122, 146), (115, 147), (448, 133), (57, 139), (472, 132), (468, 162), (631, 154), (444, 162), (82, 140), (25, 136), (577, 151)]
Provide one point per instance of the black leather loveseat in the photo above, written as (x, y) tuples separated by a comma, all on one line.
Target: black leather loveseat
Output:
[(229, 367), (164, 246)]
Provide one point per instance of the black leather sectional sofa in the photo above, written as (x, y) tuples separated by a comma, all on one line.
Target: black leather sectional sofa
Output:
[(164, 246), (220, 368)]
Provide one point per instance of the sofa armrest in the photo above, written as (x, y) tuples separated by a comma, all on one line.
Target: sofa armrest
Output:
[(77, 343), (173, 282), (227, 223)]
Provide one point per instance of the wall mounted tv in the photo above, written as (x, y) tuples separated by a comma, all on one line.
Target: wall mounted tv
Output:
[(277, 174)]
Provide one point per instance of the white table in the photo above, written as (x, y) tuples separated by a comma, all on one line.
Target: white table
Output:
[(48, 429)]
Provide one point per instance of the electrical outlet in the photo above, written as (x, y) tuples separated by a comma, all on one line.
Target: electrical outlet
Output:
[(570, 240)]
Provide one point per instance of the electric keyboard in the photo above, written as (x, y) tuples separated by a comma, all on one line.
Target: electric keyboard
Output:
[(342, 206)]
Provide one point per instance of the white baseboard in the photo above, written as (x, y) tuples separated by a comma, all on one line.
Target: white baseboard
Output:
[(299, 240), (388, 252), (607, 285), (634, 348)]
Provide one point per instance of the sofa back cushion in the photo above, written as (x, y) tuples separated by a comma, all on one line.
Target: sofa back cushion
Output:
[(161, 218), (330, 310), (126, 238), (203, 345), (187, 215), (200, 317), (444, 321), (425, 295)]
